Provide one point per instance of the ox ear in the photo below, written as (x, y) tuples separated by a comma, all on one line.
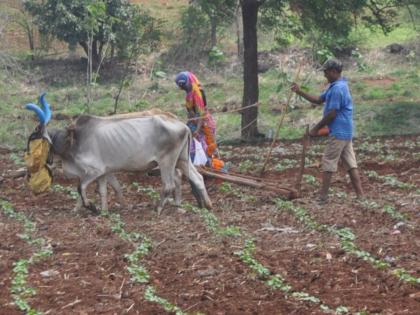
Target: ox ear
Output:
[(38, 111), (45, 107)]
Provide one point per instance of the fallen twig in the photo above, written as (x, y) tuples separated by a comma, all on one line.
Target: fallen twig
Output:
[(77, 301)]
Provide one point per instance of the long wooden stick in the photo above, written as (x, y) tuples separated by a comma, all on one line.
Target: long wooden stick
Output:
[(284, 111), (305, 142)]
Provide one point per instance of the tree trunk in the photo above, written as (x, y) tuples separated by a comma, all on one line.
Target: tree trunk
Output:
[(85, 47), (95, 55), (96, 58), (250, 115), (238, 23), (213, 23), (30, 34)]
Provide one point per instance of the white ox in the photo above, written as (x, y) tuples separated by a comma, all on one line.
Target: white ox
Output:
[(95, 148)]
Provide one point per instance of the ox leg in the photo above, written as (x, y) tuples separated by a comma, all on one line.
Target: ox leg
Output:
[(168, 185), (103, 192), (178, 187), (82, 192), (115, 184), (197, 183)]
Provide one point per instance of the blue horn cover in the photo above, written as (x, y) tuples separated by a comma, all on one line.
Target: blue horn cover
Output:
[(45, 107), (37, 111)]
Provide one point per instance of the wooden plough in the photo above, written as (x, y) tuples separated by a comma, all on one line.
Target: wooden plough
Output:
[(262, 183), (255, 182)]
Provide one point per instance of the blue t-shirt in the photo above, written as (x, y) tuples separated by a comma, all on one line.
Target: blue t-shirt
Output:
[(338, 97)]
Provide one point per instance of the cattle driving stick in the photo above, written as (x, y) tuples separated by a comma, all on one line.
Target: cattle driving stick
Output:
[(284, 111), (305, 143)]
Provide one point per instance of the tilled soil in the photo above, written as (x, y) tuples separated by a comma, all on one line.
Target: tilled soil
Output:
[(198, 270)]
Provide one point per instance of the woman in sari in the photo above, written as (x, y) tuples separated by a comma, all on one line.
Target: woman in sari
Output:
[(200, 120)]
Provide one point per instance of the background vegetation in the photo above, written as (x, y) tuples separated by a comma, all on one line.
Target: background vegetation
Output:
[(138, 61)]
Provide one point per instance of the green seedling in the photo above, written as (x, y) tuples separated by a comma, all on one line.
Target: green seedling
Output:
[(246, 166), (150, 295), (17, 159), (143, 246), (71, 192), (390, 180), (19, 289), (148, 190), (246, 254), (347, 238), (390, 210), (309, 179), (285, 164)]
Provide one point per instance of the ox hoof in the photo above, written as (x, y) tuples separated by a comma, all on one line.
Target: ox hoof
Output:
[(208, 205), (93, 208), (181, 210), (76, 209)]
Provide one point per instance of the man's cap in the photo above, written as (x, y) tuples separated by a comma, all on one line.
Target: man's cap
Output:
[(332, 64), (181, 79)]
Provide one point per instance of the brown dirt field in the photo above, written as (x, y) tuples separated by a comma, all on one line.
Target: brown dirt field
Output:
[(197, 270)]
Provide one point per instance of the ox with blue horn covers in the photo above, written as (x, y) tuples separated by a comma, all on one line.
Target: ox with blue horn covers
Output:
[(94, 148), (37, 156)]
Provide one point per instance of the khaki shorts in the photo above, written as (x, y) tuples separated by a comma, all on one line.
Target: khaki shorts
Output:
[(335, 150)]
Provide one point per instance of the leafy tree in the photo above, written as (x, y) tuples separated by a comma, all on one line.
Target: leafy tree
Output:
[(194, 40), (93, 21), (335, 18), (200, 23), (218, 12), (131, 44)]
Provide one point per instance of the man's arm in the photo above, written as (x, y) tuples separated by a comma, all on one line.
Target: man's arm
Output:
[(311, 98), (324, 121)]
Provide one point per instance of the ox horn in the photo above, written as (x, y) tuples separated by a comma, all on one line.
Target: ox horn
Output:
[(38, 111), (45, 107)]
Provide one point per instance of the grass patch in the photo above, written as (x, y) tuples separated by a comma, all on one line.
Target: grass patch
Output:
[(388, 119)]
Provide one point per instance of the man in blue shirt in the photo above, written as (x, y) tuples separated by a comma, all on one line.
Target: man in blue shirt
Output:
[(338, 117)]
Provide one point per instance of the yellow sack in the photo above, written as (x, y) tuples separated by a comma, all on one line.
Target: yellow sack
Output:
[(36, 159)]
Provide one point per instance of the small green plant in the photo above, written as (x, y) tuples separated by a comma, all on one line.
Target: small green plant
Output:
[(361, 65), (324, 54), (309, 179), (138, 272), (368, 204), (246, 166), (342, 310), (212, 222), (216, 56), (341, 194), (347, 239), (285, 164), (305, 297), (390, 180), (20, 291), (150, 295), (246, 254), (225, 187), (148, 190), (70, 191), (390, 210), (17, 159)]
